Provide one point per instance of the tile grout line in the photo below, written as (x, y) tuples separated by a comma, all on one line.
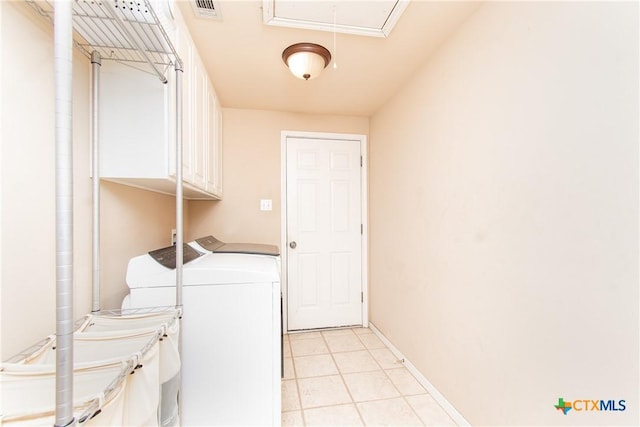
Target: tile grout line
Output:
[(449, 409), (319, 376), (391, 381), (340, 373), (295, 378), (353, 401)]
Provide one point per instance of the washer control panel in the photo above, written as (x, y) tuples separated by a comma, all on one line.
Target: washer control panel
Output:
[(167, 256)]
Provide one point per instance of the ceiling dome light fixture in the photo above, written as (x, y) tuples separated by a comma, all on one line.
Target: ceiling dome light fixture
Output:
[(306, 60)]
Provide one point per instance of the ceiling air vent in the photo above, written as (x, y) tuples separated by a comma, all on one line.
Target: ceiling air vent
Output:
[(207, 9)]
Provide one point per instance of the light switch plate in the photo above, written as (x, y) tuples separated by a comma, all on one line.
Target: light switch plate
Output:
[(265, 205)]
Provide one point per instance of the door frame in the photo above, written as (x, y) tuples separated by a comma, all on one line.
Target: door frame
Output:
[(364, 215)]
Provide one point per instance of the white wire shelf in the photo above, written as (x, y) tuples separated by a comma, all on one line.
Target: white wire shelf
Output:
[(128, 31)]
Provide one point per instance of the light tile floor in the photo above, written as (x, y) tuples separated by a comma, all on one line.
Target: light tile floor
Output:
[(348, 377)]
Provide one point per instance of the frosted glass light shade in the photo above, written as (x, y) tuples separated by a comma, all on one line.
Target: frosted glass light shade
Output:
[(306, 65), (306, 60)]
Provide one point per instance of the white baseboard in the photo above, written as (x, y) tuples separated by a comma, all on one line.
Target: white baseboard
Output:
[(437, 396)]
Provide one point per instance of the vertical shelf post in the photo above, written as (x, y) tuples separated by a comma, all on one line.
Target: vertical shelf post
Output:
[(96, 63), (63, 67), (179, 201)]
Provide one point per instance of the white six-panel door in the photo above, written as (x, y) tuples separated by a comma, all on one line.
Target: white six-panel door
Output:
[(324, 246)]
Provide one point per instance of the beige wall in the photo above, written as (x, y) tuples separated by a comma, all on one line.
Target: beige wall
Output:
[(133, 221), (251, 172), (504, 214), (28, 185)]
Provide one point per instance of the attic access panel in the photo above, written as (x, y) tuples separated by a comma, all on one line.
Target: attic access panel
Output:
[(375, 18)]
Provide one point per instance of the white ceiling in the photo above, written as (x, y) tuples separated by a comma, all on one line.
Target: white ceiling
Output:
[(244, 57)]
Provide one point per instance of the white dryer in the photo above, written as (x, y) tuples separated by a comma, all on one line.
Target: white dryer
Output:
[(210, 244), (231, 342)]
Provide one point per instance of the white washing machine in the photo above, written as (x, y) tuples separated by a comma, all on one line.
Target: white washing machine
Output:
[(231, 342)]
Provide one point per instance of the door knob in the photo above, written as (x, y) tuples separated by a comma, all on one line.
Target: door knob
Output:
[(293, 245)]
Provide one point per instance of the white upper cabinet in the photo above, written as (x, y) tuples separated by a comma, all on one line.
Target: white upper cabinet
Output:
[(137, 126), (199, 118), (186, 51), (214, 155)]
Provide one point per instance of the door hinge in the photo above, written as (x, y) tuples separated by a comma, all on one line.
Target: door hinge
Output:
[(361, 228), (360, 161), (362, 297)]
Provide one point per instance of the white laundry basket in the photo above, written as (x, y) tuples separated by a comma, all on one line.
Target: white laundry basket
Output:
[(139, 349), (130, 323), (108, 393)]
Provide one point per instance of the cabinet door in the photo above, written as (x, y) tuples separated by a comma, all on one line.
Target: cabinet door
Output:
[(132, 123), (184, 46), (138, 124), (214, 154), (200, 115)]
